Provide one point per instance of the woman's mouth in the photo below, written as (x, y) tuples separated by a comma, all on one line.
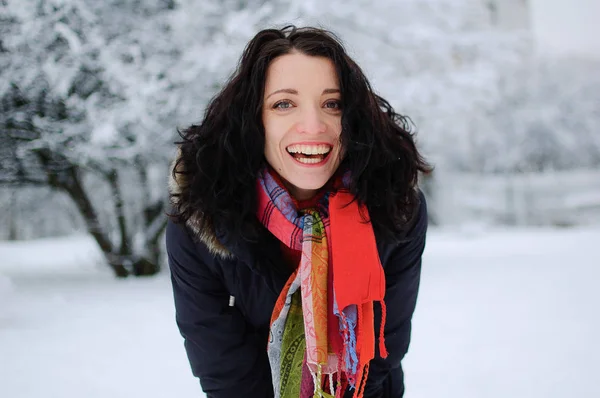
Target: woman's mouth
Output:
[(310, 154)]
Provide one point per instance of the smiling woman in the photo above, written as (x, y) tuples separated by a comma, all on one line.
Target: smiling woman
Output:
[(297, 224), (302, 119)]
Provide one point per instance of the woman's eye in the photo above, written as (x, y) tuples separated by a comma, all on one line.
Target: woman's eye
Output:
[(333, 105), (282, 105)]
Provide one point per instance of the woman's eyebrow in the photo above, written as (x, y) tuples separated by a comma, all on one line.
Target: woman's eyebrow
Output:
[(331, 91), (284, 90), (295, 92)]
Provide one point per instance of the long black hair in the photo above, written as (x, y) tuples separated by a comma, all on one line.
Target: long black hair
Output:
[(220, 158)]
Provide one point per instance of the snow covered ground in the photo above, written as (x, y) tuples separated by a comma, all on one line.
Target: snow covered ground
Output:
[(502, 313)]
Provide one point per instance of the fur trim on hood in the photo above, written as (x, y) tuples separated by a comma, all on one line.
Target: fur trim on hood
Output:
[(203, 230)]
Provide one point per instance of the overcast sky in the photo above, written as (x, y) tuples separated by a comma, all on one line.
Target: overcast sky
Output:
[(567, 26)]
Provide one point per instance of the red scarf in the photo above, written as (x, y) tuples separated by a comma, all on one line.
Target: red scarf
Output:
[(355, 278)]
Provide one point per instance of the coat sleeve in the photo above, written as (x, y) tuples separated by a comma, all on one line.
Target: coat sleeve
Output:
[(223, 353), (403, 273)]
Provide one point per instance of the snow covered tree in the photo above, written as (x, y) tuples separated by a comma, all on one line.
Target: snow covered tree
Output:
[(91, 94), (67, 92), (545, 119), (90, 99)]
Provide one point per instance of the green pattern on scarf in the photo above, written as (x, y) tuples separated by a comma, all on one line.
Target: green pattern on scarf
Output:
[(292, 349)]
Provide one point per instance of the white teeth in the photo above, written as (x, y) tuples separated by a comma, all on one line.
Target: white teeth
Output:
[(310, 160), (320, 149)]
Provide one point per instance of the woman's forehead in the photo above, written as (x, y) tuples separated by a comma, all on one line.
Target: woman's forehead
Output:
[(296, 71)]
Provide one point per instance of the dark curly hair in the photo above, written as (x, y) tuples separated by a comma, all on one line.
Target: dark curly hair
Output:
[(220, 158)]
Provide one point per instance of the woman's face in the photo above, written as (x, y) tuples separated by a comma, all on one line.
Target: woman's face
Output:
[(302, 120)]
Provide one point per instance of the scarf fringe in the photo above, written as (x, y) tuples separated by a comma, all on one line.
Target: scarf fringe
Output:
[(363, 381), (350, 337), (383, 353), (322, 383)]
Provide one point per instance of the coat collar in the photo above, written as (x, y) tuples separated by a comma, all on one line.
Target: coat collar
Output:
[(202, 231), (263, 258)]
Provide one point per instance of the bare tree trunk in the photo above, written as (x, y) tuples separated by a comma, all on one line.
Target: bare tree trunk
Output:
[(86, 208), (65, 176), (12, 216), (493, 9), (140, 167), (155, 230), (427, 185), (154, 219), (117, 196)]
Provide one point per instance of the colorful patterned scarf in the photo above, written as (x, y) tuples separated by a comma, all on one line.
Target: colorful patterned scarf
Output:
[(322, 334)]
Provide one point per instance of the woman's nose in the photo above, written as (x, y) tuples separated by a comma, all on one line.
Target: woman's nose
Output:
[(311, 122)]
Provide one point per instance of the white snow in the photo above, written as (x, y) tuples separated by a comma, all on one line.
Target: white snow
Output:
[(104, 134), (511, 313), (501, 313), (76, 331)]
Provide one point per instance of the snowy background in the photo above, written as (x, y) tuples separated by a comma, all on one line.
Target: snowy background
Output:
[(505, 98), (502, 313)]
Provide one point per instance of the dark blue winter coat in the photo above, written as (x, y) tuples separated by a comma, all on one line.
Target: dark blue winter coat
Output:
[(225, 291)]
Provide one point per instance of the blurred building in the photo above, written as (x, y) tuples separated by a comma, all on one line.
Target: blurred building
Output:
[(510, 14)]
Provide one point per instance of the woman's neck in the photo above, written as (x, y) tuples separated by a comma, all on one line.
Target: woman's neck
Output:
[(303, 198), (301, 195)]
